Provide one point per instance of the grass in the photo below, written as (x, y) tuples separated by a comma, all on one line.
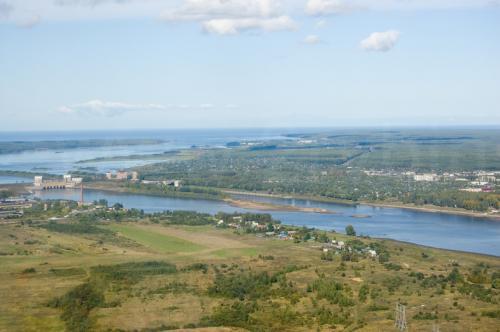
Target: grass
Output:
[(159, 242), (142, 292), (237, 252)]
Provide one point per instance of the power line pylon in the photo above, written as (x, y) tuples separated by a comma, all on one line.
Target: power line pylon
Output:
[(400, 321)]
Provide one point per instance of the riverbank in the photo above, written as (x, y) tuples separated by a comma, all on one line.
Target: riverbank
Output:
[(251, 204), (425, 208), (432, 229), (117, 188)]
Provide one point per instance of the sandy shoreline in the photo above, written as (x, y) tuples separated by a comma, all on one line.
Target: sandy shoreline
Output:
[(430, 209), (274, 207)]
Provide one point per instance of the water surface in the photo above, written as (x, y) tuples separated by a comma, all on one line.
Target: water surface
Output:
[(439, 230)]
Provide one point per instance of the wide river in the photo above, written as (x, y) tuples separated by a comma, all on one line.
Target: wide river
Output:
[(439, 230), (62, 161)]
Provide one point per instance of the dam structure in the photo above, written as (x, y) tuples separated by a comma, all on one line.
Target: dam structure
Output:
[(67, 182)]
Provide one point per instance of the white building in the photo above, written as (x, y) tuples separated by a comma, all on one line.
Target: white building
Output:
[(425, 177), (135, 176), (38, 181)]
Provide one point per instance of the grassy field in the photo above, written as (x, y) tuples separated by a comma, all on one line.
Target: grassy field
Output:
[(150, 277), (159, 242)]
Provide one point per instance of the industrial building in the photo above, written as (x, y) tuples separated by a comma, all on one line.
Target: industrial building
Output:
[(67, 182)]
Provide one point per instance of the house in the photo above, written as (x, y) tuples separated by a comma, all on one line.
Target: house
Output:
[(121, 175), (135, 176), (283, 235), (372, 253)]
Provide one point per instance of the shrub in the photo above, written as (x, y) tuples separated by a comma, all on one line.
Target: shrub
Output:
[(425, 316), (332, 291), (236, 314), (132, 272), (241, 286), (349, 230), (383, 257), (76, 306), (363, 293), (491, 314), (454, 276), (29, 270), (392, 266), (196, 267)]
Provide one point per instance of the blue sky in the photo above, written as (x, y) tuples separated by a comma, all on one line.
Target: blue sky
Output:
[(96, 64)]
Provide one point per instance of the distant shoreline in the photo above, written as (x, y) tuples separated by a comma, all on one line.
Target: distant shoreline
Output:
[(249, 204)]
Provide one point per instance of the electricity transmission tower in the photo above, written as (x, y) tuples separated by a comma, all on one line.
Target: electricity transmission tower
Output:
[(435, 327), (400, 321)]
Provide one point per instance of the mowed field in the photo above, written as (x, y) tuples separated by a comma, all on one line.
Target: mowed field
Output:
[(157, 240), (38, 266)]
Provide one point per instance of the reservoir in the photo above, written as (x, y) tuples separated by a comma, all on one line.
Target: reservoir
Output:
[(440, 230)]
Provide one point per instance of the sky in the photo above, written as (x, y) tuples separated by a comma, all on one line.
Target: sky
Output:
[(120, 64)]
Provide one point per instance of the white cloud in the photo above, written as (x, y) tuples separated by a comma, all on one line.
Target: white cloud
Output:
[(196, 10), (200, 11), (230, 26), (107, 108), (327, 7), (228, 17), (380, 41), (332, 7), (312, 39)]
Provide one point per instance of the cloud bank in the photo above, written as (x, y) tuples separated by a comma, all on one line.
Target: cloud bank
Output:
[(107, 108), (214, 16), (333, 7), (113, 108), (229, 17)]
